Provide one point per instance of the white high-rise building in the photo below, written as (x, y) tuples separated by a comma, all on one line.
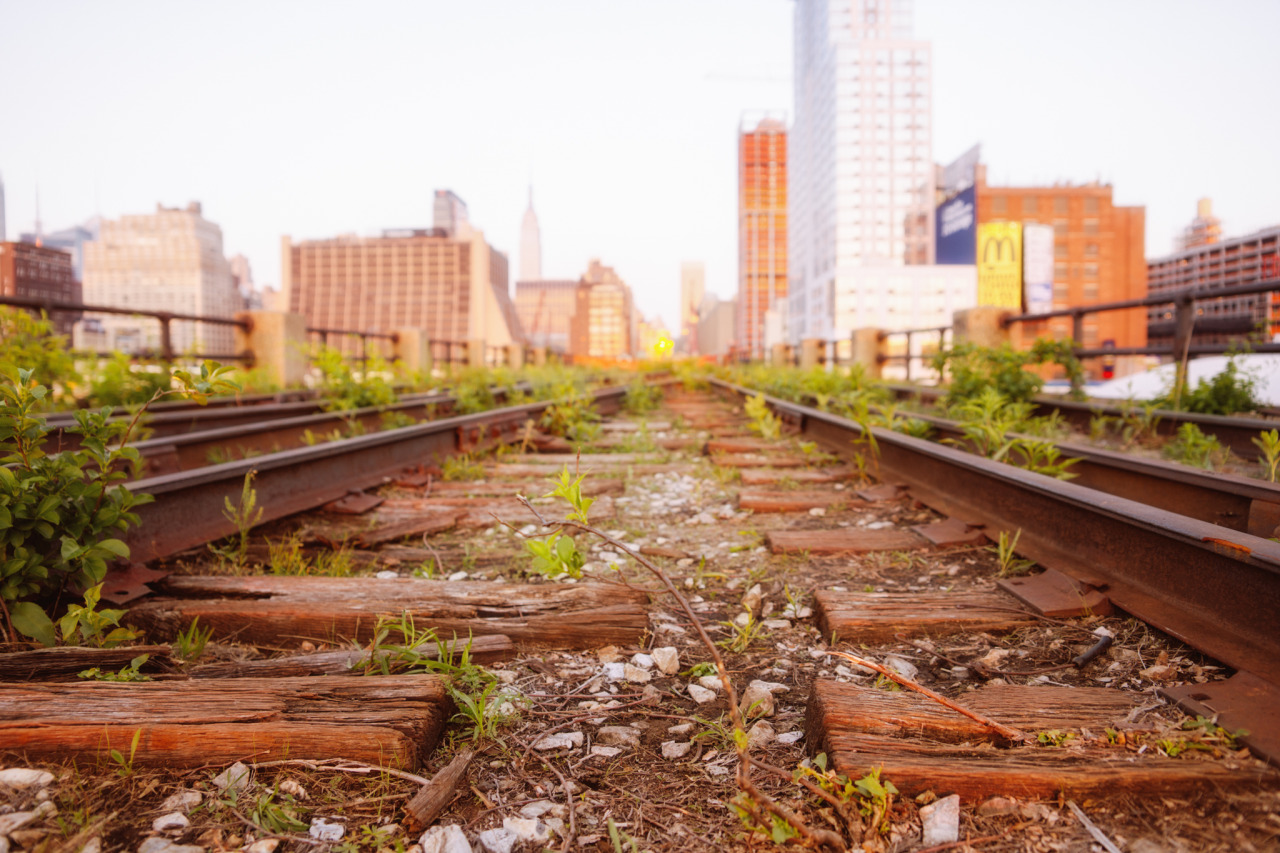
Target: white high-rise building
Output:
[(530, 245), (170, 260), (860, 188)]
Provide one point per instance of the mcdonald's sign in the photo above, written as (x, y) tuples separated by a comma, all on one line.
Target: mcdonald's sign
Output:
[(1000, 264)]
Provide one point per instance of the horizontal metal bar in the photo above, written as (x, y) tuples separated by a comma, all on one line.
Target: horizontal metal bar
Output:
[(1154, 299), (27, 302)]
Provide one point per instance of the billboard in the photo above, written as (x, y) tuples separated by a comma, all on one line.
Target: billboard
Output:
[(1000, 264), (1037, 267), (955, 229), (961, 174)]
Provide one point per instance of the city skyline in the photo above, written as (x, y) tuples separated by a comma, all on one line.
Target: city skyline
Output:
[(610, 129)]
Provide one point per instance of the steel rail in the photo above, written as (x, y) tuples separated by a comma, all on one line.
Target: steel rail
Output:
[(1235, 433), (188, 506), (1215, 589)]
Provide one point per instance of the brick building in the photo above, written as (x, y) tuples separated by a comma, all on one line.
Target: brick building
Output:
[(1098, 255), (604, 319), (762, 228), (36, 272), (1226, 263), (451, 285)]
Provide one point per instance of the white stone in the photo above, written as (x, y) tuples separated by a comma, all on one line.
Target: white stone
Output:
[(757, 699), (183, 801), (674, 749), (387, 575), (615, 671), (266, 845), (156, 844), (701, 695), (605, 751), (717, 770), (528, 830), (93, 845), (234, 778), (561, 740), (711, 682), (169, 822), (941, 821), (293, 789), (902, 666), (760, 734), (682, 729), (776, 624), (24, 777), (618, 736), (642, 660), (753, 599), (667, 659), (499, 840), (879, 525), (790, 737), (324, 830), (636, 675), (537, 808), (445, 839), (458, 576)]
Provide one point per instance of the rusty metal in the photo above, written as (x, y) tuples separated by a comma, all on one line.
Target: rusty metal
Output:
[(1051, 593), (188, 507), (1213, 588), (1242, 702), (950, 532), (122, 586), (355, 502)]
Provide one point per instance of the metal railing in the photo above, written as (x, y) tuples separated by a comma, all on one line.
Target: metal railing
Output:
[(165, 319), (907, 357), (363, 337), (449, 352)]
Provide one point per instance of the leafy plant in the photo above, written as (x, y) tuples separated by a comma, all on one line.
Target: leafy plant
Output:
[(84, 624), (462, 467), (275, 816), (129, 672), (124, 766), (641, 397), (763, 421), (742, 632), (119, 382), (1043, 457), (29, 340), (189, 644), (1005, 550), (1192, 447), (1269, 443), (619, 837), (1228, 392), (1053, 737), (59, 514), (974, 368), (244, 516), (343, 390), (555, 555), (571, 414)]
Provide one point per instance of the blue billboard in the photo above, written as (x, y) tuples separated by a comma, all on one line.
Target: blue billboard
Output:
[(956, 229)]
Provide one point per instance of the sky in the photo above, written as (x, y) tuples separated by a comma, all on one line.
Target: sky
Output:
[(314, 119)]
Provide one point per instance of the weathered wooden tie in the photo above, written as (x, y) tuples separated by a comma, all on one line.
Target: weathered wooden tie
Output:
[(760, 460), (482, 649), (380, 720), (920, 746), (772, 477), (877, 617), (761, 500), (280, 612)]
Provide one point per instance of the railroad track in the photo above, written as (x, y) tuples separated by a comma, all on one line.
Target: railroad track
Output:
[(898, 572), (1236, 432)]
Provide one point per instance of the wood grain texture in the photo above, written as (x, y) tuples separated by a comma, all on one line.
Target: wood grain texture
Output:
[(843, 541), (487, 649), (434, 796), (64, 662), (759, 460), (284, 611), (922, 746), (394, 720), (875, 617), (771, 477)]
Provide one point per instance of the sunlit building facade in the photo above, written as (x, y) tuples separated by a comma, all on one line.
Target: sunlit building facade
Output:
[(604, 323), (762, 227), (693, 284), (859, 161), (545, 308), (170, 260), (39, 272)]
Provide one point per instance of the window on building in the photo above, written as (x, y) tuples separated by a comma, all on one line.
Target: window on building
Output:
[(1059, 250), (1060, 228), (1090, 291), (1091, 271), (1091, 204), (1060, 204), (999, 205), (1091, 226), (1091, 250)]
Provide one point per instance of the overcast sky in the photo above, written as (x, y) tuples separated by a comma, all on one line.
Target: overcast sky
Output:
[(313, 119)]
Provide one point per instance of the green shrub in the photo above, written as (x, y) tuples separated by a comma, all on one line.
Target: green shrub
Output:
[(1227, 393)]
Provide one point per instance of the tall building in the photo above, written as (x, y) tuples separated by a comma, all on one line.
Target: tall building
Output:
[(1204, 230), (762, 227), (859, 161), (449, 214), (530, 245), (693, 284), (604, 322), (4, 235), (545, 308), (453, 285), (1225, 263), (37, 272), (1098, 254), (72, 239), (717, 325), (170, 260)]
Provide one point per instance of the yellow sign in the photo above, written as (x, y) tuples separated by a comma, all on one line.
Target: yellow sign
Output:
[(1000, 264)]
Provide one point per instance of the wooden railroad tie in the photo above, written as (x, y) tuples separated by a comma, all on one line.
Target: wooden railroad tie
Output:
[(854, 540), (877, 617), (771, 477), (760, 460), (922, 746), (275, 611), (381, 720), (762, 500)]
